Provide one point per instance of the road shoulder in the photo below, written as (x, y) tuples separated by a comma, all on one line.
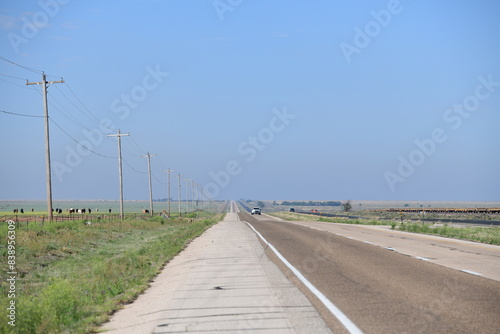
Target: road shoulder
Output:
[(222, 281)]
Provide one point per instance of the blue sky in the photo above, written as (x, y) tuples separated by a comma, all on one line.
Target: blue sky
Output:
[(365, 100)]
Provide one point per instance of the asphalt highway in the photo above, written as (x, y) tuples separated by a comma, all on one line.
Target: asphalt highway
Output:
[(379, 290)]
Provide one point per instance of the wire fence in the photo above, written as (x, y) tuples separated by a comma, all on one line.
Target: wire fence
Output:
[(24, 220)]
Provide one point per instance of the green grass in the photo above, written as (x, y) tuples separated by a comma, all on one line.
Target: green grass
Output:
[(306, 217), (353, 221), (487, 235), (72, 276)]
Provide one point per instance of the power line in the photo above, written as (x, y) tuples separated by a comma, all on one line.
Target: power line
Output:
[(129, 152), (76, 141), (59, 107), (21, 66), (70, 117), (23, 86), (74, 104), (158, 179), (16, 114), (13, 77), (135, 170), (137, 145), (95, 118), (132, 147), (160, 164)]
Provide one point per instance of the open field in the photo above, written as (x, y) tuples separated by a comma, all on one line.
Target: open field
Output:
[(97, 206), (71, 276)]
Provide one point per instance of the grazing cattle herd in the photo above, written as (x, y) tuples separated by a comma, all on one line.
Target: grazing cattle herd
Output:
[(74, 214), (59, 210)]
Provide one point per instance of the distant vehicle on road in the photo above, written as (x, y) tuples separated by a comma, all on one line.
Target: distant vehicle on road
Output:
[(256, 211), (292, 210)]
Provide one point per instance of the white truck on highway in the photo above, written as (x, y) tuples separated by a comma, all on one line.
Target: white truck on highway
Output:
[(256, 211)]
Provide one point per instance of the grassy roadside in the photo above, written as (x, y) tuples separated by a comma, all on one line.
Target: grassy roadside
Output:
[(342, 220), (72, 276), (487, 235)]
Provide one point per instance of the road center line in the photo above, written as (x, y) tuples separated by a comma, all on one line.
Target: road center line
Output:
[(348, 324)]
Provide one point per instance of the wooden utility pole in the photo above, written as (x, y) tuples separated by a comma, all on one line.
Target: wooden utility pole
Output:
[(195, 200), (179, 193), (168, 188), (150, 185), (187, 195), (118, 136), (48, 177)]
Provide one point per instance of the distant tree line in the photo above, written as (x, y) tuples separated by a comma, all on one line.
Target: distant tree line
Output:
[(161, 199), (311, 203)]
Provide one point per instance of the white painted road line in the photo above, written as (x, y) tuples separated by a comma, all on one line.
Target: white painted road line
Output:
[(348, 324), (471, 272)]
